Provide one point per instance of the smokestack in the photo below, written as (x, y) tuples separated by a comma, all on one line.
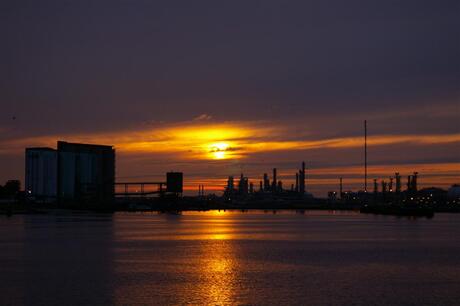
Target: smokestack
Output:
[(414, 181), (341, 189), (274, 180), (398, 182), (384, 186), (241, 184), (302, 179), (266, 182), (296, 182)]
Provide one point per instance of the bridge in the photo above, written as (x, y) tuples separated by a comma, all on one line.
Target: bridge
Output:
[(141, 190)]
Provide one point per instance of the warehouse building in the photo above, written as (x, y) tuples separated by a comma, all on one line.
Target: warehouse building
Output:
[(85, 172), (74, 172), (41, 174)]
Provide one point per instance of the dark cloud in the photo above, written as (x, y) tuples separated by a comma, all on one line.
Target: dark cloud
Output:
[(90, 63)]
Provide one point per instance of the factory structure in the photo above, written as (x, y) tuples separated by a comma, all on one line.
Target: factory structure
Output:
[(78, 173), (388, 190), (382, 190), (72, 172), (269, 189), (85, 173), (41, 173)]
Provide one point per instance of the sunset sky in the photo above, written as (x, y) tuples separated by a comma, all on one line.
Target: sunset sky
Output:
[(216, 88)]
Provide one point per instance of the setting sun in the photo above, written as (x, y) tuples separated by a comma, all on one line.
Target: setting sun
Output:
[(219, 150)]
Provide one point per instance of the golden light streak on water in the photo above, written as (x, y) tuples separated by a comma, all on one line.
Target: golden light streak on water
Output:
[(218, 270)]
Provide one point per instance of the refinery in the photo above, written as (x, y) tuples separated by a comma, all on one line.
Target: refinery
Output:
[(82, 176)]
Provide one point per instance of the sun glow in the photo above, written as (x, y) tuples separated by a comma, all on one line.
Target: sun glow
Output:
[(219, 150), (218, 141)]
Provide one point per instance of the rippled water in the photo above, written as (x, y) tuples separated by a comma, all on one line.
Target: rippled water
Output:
[(214, 258)]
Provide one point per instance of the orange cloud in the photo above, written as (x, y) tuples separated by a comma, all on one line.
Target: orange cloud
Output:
[(197, 140)]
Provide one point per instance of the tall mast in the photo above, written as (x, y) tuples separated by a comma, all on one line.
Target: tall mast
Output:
[(365, 155)]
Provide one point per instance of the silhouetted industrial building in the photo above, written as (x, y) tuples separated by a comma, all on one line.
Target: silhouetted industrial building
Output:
[(268, 189), (454, 192), (174, 182), (266, 182), (73, 172), (86, 172), (41, 173), (302, 179), (243, 185), (398, 182), (296, 182), (274, 183), (412, 182), (230, 184)]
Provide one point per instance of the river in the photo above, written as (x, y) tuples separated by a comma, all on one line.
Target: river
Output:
[(229, 258)]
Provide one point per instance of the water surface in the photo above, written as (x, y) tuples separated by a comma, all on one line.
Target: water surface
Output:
[(214, 258)]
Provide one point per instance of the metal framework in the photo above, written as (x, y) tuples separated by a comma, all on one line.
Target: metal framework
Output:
[(126, 193)]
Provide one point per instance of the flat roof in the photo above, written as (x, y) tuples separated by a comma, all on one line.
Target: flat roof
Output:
[(83, 144), (82, 147), (40, 149)]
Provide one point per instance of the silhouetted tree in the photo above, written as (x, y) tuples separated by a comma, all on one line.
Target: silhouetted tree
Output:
[(12, 187)]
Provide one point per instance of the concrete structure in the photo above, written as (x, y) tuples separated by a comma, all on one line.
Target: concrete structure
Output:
[(41, 173), (85, 172), (73, 172)]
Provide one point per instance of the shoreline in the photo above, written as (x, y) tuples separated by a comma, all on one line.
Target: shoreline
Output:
[(172, 210)]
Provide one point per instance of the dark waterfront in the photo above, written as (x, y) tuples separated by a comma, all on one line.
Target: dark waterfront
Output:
[(214, 258)]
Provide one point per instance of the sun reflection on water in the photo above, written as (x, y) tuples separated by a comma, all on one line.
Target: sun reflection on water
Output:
[(218, 267)]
